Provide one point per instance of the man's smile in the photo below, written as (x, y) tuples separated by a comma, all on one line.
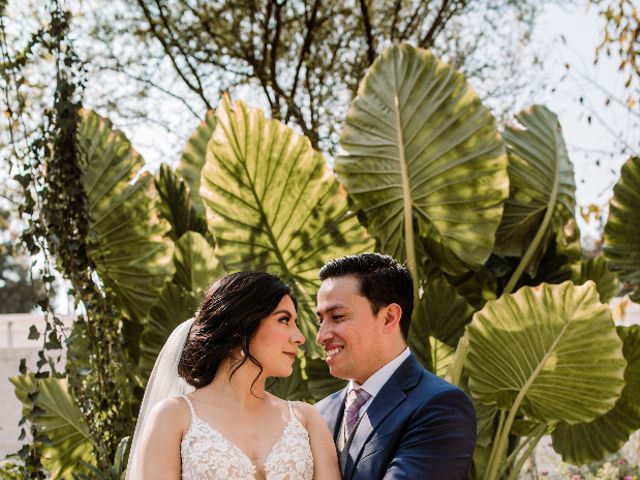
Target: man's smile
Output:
[(332, 351)]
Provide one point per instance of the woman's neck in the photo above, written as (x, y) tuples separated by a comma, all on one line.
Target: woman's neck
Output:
[(239, 390)]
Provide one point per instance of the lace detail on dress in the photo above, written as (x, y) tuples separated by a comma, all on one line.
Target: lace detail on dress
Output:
[(207, 455)]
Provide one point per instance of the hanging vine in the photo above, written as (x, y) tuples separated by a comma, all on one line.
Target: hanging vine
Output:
[(43, 159)]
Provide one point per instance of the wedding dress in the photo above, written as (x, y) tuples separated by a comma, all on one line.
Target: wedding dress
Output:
[(207, 455)]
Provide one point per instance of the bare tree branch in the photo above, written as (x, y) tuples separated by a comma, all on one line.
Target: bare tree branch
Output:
[(410, 25), (304, 57), (304, 51), (273, 61), (265, 36), (298, 115), (176, 42), (437, 24), (169, 53), (394, 23), (608, 94), (371, 50), (146, 81)]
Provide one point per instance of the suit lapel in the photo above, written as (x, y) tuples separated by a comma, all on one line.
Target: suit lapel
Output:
[(386, 401)]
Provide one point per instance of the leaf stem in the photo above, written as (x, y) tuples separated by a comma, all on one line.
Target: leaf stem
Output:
[(543, 229), (494, 453), (502, 433), (533, 442), (525, 443), (531, 250), (454, 372)]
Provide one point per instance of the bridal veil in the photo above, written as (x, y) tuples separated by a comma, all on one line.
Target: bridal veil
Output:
[(163, 383)]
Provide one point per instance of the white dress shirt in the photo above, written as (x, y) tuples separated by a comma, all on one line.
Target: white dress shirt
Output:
[(375, 382)]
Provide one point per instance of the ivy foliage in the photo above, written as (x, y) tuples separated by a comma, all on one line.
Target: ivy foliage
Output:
[(54, 212)]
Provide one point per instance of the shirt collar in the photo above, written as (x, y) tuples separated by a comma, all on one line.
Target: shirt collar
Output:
[(375, 382)]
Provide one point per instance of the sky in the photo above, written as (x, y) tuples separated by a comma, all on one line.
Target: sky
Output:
[(574, 33)]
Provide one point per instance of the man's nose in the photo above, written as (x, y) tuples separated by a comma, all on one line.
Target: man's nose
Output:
[(323, 333)]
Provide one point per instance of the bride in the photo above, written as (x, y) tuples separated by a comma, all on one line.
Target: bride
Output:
[(229, 427)]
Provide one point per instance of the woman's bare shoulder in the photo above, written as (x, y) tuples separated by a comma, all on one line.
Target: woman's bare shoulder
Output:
[(306, 412), (172, 410)]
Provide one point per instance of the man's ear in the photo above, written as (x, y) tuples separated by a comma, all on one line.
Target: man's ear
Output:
[(392, 315)]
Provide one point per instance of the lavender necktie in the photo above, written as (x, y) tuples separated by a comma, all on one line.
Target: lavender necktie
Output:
[(355, 400)]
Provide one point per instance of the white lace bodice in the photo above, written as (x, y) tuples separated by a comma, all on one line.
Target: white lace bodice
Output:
[(207, 455)]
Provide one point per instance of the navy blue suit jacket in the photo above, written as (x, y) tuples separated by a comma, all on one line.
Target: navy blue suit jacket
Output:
[(418, 427)]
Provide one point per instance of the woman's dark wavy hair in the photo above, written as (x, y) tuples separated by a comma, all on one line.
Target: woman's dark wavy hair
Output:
[(228, 318)]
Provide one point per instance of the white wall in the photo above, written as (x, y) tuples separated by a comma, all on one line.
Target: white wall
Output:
[(14, 345)]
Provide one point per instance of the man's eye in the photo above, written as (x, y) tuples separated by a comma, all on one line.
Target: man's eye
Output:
[(337, 318)]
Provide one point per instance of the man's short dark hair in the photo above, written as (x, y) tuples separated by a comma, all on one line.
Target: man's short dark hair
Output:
[(383, 281)]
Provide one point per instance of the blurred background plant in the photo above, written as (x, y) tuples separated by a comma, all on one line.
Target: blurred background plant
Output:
[(18, 291)]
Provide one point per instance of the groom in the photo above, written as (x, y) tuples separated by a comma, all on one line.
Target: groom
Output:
[(394, 419)]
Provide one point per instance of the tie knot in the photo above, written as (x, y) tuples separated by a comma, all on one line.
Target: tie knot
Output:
[(357, 397)]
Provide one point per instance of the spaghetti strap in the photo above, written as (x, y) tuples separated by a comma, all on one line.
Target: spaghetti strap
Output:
[(291, 411), (193, 413)]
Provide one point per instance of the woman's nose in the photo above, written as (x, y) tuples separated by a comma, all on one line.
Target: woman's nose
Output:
[(298, 337)]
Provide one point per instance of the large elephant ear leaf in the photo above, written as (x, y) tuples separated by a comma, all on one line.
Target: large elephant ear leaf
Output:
[(174, 306), (59, 418), (441, 311), (196, 263), (552, 349), (557, 265), (596, 269), (193, 158), (442, 356), (622, 232), (273, 204), (176, 205), (126, 237), (438, 322), (196, 267), (542, 190), (588, 442), (418, 146)]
